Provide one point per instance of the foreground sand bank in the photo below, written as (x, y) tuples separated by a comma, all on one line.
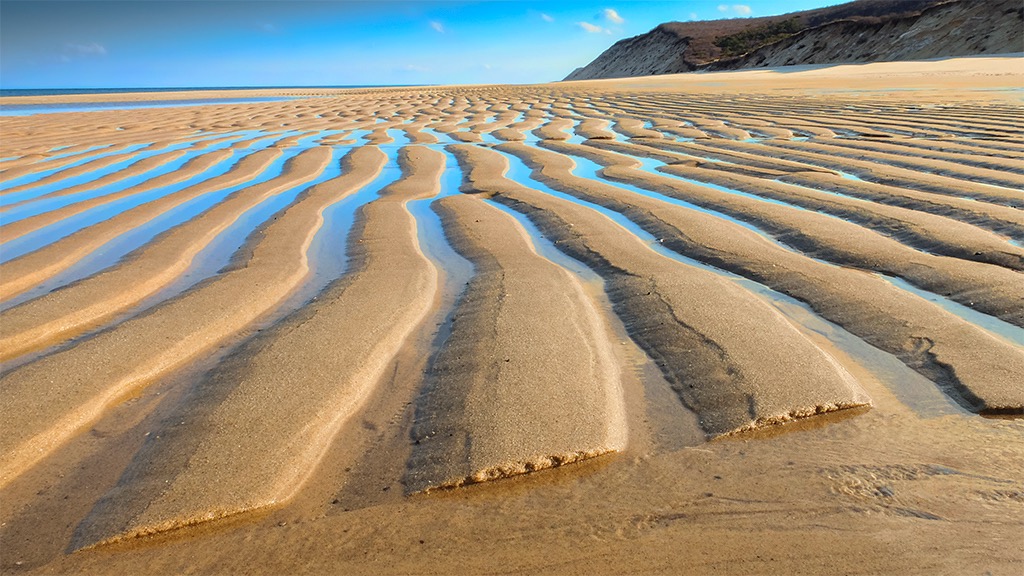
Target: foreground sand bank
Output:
[(753, 322)]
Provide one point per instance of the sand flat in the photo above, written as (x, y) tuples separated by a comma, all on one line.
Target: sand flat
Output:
[(743, 322)]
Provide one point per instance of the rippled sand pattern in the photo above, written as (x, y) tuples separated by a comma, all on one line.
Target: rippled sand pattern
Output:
[(310, 319)]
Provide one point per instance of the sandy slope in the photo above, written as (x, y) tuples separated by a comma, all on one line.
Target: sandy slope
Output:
[(746, 323)]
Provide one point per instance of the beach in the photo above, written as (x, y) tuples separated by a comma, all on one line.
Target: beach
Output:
[(754, 322)]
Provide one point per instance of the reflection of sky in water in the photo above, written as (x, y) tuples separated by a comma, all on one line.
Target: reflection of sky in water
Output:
[(430, 232), (12, 198), (40, 205), (913, 389), (58, 230), (989, 323), (217, 254), (111, 252), (329, 253)]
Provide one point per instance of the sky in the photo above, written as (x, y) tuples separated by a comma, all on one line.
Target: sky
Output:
[(221, 43)]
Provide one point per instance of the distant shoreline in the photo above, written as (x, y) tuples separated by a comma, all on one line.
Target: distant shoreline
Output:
[(70, 91), (32, 109)]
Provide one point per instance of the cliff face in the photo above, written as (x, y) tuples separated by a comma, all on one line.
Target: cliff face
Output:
[(657, 52), (861, 31), (955, 29)]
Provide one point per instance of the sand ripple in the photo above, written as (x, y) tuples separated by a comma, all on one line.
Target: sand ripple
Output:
[(709, 238)]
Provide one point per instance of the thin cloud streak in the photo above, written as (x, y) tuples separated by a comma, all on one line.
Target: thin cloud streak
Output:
[(738, 9), (612, 16), (593, 28), (91, 48)]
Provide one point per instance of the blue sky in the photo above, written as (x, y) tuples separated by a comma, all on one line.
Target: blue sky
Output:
[(157, 43)]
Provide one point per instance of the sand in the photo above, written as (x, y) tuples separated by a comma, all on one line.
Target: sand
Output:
[(743, 323), (522, 383)]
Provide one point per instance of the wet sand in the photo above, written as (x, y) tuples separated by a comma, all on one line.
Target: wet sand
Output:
[(742, 323)]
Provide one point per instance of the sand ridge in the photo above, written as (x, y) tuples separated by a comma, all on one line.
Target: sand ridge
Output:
[(66, 313), (775, 266), (507, 395), (790, 304), (798, 218), (21, 273), (716, 364), (109, 366), (292, 413)]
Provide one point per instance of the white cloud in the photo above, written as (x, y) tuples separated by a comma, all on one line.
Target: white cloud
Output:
[(693, 16), (415, 68), (738, 9), (268, 28), (90, 48), (546, 18), (613, 16), (593, 28), (437, 26)]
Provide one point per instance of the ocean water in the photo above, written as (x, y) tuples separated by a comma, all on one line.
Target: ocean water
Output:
[(31, 109), (70, 91), (49, 108)]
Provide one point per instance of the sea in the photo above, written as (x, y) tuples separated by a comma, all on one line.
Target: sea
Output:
[(56, 107), (66, 91)]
